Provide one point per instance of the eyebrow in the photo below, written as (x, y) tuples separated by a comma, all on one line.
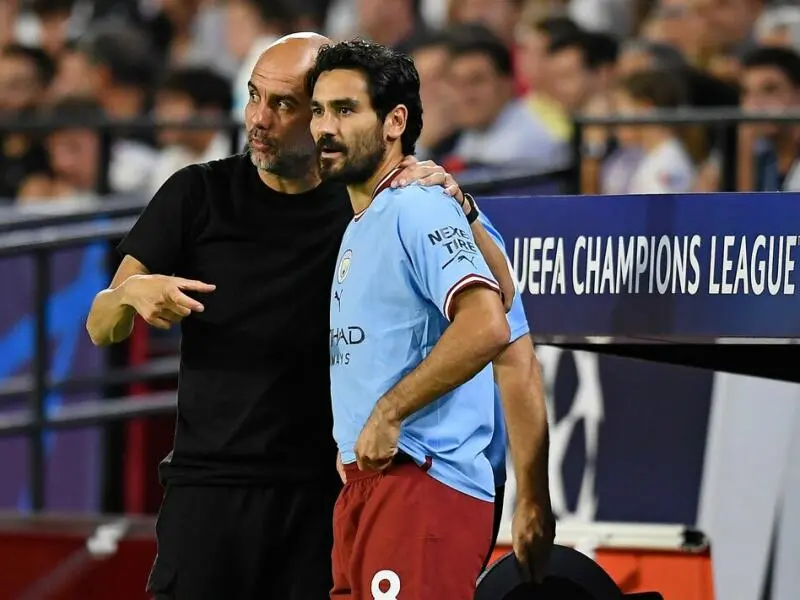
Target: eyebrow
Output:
[(273, 97), (338, 103)]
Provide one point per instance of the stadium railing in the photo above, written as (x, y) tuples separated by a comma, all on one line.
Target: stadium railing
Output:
[(40, 232), (721, 122)]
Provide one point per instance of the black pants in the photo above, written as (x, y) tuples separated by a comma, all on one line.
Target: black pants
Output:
[(244, 543), (499, 496)]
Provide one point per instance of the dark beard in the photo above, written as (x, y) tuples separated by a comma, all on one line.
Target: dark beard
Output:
[(369, 152)]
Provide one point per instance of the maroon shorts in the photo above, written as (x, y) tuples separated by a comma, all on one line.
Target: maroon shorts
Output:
[(402, 535)]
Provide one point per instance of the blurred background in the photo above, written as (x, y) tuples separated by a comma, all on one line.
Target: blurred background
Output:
[(507, 86)]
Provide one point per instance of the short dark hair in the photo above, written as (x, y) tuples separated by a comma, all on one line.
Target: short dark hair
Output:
[(663, 56), (556, 26), (582, 41), (44, 65), (203, 85), (604, 48), (392, 79), (49, 8), (280, 12), (785, 60), (662, 88), (472, 38), (125, 51)]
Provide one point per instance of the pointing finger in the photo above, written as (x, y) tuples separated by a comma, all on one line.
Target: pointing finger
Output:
[(194, 285)]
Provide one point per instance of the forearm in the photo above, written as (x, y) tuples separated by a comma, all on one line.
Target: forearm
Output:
[(496, 261), (467, 346), (110, 318), (522, 394)]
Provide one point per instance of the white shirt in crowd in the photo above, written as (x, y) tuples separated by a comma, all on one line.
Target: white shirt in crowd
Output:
[(666, 169), (175, 158)]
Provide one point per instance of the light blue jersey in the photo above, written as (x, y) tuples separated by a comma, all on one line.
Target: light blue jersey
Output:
[(518, 323), (401, 263)]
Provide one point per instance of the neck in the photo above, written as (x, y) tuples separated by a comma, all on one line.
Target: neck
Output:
[(290, 186), (361, 194), (652, 137)]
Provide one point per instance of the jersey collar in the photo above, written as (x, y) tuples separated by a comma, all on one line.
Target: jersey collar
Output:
[(383, 184)]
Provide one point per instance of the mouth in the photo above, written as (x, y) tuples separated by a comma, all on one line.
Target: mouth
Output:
[(259, 146), (330, 154)]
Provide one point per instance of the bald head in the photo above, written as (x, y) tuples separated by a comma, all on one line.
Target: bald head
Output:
[(292, 55), (278, 112)]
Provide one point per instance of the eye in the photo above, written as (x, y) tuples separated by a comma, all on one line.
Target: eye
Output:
[(284, 105), (316, 111), (253, 95), (345, 110)]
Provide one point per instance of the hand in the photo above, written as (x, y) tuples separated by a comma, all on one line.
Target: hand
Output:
[(426, 173), (377, 443), (533, 529), (340, 467), (160, 300)]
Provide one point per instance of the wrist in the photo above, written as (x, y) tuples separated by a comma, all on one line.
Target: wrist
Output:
[(124, 292), (470, 208), (386, 412)]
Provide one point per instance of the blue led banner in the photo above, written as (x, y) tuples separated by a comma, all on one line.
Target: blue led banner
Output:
[(714, 265)]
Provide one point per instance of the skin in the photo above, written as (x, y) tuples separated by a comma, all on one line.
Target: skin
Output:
[(518, 375)]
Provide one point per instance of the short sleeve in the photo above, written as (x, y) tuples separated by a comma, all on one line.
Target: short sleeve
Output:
[(517, 321), (444, 257), (159, 238)]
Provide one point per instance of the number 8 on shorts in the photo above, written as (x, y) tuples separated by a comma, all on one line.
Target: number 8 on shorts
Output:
[(394, 585)]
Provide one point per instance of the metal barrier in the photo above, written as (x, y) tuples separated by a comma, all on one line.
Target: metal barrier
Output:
[(722, 120)]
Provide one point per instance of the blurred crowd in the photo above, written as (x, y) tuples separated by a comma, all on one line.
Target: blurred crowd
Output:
[(500, 81)]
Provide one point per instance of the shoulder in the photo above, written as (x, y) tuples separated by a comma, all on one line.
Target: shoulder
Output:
[(416, 199), (223, 168)]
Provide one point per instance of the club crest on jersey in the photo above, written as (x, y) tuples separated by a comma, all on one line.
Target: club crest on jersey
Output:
[(344, 266)]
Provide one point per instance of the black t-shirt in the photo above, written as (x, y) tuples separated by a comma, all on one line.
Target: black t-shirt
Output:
[(254, 400)]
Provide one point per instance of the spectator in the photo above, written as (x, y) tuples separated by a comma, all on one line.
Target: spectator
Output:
[(25, 74), (501, 18), (183, 95), (53, 18), (665, 167), (675, 24), (771, 83), (579, 66), (116, 67), (533, 38), (252, 26), (440, 133), (394, 23), (498, 130), (726, 24), (73, 152)]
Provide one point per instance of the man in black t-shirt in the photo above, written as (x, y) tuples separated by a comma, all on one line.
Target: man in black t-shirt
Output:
[(243, 259)]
